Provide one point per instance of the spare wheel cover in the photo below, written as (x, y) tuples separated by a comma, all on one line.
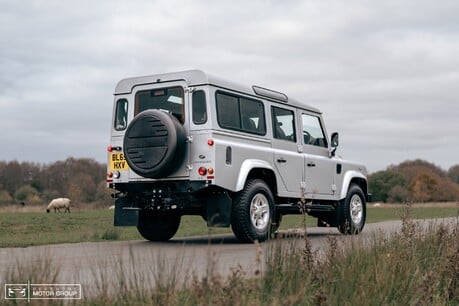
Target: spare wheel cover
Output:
[(154, 144)]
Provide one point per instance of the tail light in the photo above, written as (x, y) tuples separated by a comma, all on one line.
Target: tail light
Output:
[(202, 171)]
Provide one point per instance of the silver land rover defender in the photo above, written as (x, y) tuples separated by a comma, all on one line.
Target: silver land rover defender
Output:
[(189, 143)]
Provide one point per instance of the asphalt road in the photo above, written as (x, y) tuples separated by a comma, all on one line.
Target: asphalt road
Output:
[(100, 267)]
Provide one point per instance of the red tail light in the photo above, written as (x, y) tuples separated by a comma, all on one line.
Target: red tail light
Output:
[(202, 171)]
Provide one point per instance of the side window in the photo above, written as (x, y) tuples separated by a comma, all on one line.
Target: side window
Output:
[(199, 107), (312, 131), (283, 124), (252, 116), (240, 114), (121, 114), (228, 112)]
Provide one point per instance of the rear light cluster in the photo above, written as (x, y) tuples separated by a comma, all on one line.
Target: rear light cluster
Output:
[(203, 171), (114, 174), (111, 149)]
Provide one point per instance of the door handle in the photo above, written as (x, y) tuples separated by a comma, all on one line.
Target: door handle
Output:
[(311, 164), (281, 160)]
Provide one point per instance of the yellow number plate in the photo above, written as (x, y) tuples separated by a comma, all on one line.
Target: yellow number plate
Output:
[(117, 162)]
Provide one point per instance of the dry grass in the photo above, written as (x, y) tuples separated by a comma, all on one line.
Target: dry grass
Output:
[(413, 267)]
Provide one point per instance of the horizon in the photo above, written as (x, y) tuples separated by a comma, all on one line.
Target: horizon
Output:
[(105, 163)]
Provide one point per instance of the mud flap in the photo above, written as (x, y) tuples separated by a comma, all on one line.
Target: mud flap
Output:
[(123, 216), (219, 210)]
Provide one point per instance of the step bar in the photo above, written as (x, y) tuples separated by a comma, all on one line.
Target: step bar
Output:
[(295, 208)]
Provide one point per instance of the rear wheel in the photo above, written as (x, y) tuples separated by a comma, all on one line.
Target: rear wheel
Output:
[(157, 227), (253, 212), (353, 211)]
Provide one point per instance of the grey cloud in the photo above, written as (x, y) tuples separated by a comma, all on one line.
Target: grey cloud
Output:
[(384, 74)]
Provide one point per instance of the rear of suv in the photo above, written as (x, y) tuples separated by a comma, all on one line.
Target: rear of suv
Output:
[(189, 143)]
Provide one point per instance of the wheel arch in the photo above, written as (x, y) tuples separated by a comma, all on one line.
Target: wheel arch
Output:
[(253, 169), (353, 177)]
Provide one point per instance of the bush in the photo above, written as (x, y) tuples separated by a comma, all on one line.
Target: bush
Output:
[(382, 182), (5, 197), (27, 194)]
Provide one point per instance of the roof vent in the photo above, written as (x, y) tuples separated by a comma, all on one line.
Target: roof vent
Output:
[(268, 93)]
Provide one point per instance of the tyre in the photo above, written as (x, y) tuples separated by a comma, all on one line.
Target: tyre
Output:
[(157, 227), (154, 144), (353, 211), (252, 212)]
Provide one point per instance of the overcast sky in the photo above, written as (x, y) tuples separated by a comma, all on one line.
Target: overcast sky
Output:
[(384, 73)]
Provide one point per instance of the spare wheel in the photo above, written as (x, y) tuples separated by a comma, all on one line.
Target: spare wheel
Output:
[(154, 144)]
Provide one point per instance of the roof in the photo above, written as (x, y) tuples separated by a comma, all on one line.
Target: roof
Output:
[(198, 77)]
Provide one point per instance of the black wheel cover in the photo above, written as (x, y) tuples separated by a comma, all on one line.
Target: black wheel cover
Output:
[(154, 144)]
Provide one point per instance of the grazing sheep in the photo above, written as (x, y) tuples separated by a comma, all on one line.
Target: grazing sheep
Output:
[(59, 203)]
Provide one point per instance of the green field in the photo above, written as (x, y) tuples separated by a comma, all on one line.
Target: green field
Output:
[(21, 229)]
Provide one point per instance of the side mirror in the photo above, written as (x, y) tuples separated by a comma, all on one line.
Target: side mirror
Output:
[(334, 143), (334, 140)]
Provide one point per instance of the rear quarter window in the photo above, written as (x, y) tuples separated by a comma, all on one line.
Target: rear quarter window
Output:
[(199, 107), (121, 114)]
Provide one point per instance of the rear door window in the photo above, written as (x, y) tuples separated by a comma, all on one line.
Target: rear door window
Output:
[(169, 100), (283, 124)]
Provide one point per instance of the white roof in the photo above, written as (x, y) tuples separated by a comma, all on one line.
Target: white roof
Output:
[(198, 77)]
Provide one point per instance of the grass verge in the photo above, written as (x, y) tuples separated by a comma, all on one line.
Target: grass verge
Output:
[(21, 229), (413, 267)]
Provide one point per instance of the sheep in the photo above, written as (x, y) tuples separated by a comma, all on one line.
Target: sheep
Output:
[(59, 203)]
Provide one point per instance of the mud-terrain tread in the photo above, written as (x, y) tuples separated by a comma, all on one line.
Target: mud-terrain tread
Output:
[(240, 215), (346, 226)]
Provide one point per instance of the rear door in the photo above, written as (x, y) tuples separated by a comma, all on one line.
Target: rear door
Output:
[(287, 160), (169, 97)]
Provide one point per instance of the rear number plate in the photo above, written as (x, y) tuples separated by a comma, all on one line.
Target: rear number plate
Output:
[(117, 162)]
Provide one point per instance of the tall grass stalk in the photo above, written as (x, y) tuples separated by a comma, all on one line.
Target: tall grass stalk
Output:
[(415, 266)]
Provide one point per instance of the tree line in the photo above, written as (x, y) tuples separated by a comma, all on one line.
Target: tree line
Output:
[(29, 183), (416, 181), (83, 181)]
